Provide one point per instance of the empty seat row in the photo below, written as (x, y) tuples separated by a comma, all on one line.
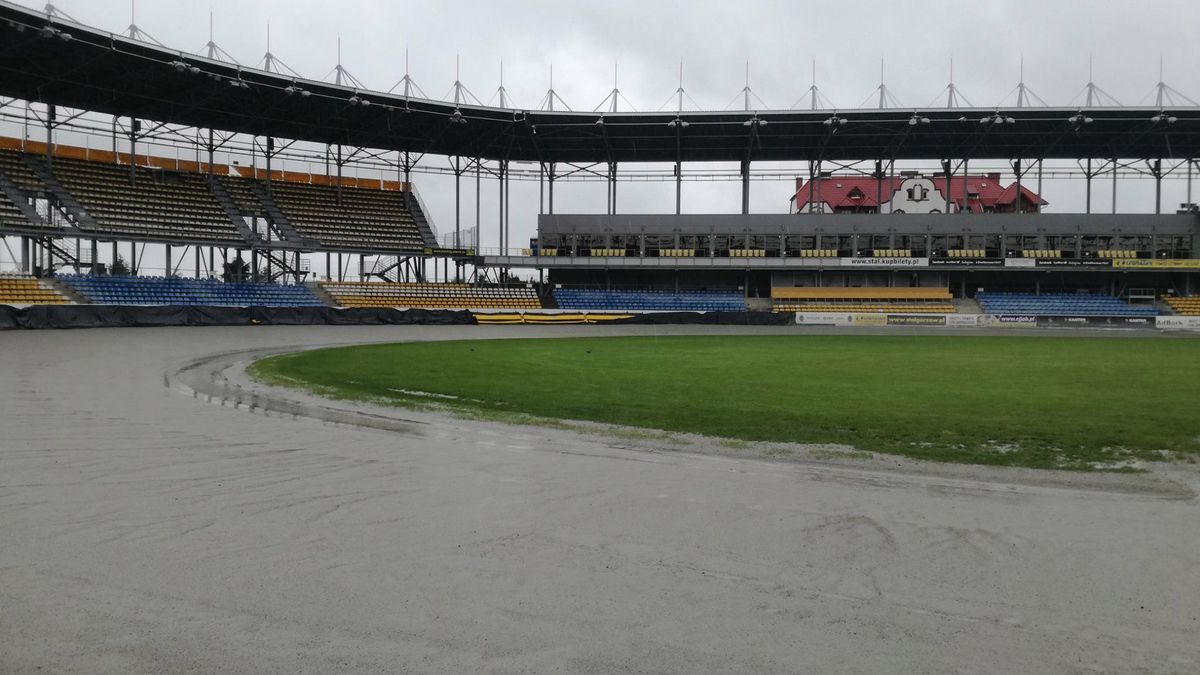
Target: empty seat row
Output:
[(879, 307), (693, 301), (1059, 304), (129, 290), (1189, 306), (18, 289), (431, 295)]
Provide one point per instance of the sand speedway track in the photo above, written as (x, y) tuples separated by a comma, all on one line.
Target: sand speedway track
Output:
[(148, 528)]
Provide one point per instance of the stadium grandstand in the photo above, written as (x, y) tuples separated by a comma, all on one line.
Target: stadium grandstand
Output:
[(873, 235)]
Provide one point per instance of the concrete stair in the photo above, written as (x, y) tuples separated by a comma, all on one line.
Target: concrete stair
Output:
[(66, 201), (287, 232), (321, 294), (70, 293), (231, 211), (424, 225), (19, 200)]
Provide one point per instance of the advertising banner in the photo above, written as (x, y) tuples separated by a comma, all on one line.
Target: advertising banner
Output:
[(885, 262), (963, 320), (1074, 262), (916, 319), (1177, 322), (966, 262), (1020, 262), (1164, 264)]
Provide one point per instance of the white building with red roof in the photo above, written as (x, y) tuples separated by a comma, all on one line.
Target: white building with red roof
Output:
[(912, 193)]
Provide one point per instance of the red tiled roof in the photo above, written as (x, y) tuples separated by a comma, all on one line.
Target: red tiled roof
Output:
[(838, 191)]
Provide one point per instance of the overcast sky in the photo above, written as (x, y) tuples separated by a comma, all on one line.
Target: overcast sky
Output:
[(648, 39)]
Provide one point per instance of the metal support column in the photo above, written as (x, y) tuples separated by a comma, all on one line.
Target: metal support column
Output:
[(167, 271), (1017, 208), (1157, 170), (612, 179), (270, 153), (550, 190), (478, 200), (966, 195), (678, 187), (51, 110), (457, 199), (1114, 194), (338, 162), (878, 186), (947, 169), (134, 127), (745, 186), (507, 207), (1087, 180)]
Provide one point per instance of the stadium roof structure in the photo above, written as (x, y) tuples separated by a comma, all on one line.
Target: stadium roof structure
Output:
[(57, 62)]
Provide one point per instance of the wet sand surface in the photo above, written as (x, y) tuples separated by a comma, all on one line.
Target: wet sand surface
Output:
[(157, 515)]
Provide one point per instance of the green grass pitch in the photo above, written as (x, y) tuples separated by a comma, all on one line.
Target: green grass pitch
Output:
[(1043, 402)]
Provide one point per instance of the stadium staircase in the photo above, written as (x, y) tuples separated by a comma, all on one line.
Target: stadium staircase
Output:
[(69, 293), (231, 210), (967, 306), (424, 225), (279, 221), (321, 294), (66, 201), (18, 199)]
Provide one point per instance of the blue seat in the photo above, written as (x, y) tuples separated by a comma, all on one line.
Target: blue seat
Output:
[(173, 291), (1059, 304), (690, 301)]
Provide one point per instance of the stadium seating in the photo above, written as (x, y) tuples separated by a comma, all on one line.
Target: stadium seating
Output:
[(120, 290), (27, 182), (431, 296), (1059, 304), (13, 166), (817, 253), (1189, 306), (688, 301), (862, 299), (9, 213), (966, 253), (374, 220), (162, 205), (866, 307), (18, 289)]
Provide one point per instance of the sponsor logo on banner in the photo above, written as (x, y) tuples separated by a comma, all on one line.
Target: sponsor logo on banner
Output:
[(1074, 262), (1020, 262), (1165, 264), (1178, 322), (916, 320), (869, 319), (966, 262), (1012, 320), (824, 319), (962, 320), (885, 262)]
